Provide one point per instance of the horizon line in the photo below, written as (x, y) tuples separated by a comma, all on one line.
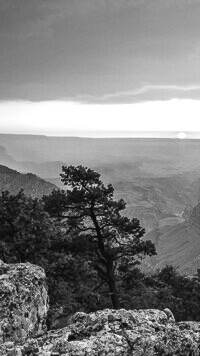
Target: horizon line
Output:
[(112, 134)]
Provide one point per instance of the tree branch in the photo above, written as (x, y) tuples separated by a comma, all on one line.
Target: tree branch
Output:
[(99, 286)]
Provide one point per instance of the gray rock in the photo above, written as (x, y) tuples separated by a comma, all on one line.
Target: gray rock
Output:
[(23, 301), (23, 309), (122, 332), (170, 315)]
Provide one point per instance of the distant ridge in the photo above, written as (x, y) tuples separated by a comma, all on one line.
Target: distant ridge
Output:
[(113, 134), (32, 185)]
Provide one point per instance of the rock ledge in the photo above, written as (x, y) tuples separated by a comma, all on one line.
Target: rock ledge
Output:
[(23, 310)]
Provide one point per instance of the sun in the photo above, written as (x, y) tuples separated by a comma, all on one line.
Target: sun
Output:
[(181, 135)]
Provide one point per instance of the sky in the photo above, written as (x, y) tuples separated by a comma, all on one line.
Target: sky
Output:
[(99, 65)]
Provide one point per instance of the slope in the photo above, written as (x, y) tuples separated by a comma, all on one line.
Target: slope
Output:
[(13, 181), (178, 245)]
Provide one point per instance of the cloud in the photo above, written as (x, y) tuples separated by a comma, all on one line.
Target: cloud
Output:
[(24, 16), (99, 50), (145, 93), (28, 17)]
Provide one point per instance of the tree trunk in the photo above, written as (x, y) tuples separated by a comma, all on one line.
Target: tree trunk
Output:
[(109, 263), (112, 285)]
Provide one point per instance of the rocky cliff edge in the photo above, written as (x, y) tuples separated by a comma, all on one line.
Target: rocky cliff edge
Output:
[(24, 304)]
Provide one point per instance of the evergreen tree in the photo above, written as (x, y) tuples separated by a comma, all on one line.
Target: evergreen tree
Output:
[(90, 208), (25, 228)]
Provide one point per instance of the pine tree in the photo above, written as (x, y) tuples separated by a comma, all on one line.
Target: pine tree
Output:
[(90, 208)]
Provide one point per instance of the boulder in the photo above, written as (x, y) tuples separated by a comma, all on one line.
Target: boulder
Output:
[(23, 302), (115, 333), (23, 311)]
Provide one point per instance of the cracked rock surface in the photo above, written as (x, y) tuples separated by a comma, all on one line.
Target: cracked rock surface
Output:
[(124, 332), (23, 301), (115, 332), (23, 309)]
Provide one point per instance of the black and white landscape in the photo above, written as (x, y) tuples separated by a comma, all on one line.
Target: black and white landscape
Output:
[(159, 179), (99, 177)]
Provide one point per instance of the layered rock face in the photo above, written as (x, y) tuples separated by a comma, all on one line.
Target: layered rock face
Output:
[(23, 301)]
